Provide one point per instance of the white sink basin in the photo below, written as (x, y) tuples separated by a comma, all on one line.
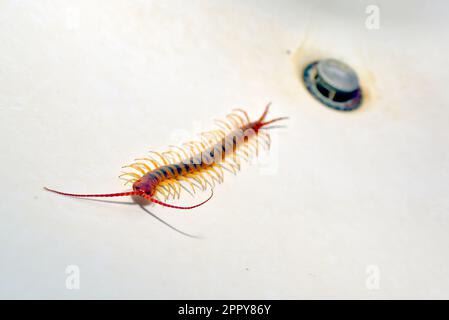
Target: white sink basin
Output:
[(345, 205)]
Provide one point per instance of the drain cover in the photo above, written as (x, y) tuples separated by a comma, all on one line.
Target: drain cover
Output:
[(334, 84)]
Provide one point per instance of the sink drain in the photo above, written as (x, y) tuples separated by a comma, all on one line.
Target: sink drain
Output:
[(334, 84)]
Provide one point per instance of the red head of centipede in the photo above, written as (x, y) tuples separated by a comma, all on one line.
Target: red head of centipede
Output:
[(146, 185)]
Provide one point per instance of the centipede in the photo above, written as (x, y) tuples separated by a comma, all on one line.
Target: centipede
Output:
[(195, 165)]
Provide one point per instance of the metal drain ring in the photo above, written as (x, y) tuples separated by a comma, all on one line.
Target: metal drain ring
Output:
[(334, 84)]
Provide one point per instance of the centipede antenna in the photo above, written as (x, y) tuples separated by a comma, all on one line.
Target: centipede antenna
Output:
[(120, 194)]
